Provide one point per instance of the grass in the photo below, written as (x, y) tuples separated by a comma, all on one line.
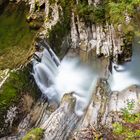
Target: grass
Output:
[(15, 36)]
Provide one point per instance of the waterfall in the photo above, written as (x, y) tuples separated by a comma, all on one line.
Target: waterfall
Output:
[(127, 74), (55, 79)]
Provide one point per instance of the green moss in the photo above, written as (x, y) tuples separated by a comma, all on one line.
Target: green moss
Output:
[(15, 36), (11, 89), (34, 134), (16, 85)]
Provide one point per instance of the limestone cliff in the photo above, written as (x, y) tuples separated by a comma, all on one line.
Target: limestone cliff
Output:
[(61, 20)]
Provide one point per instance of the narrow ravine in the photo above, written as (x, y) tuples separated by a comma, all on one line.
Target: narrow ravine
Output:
[(69, 70)]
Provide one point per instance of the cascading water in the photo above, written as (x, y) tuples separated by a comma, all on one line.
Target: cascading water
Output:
[(127, 74), (55, 79)]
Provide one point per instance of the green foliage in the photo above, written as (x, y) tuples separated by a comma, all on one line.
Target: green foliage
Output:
[(114, 11), (91, 13), (121, 129), (117, 11), (34, 134), (118, 128), (125, 132), (11, 89), (62, 28), (129, 108), (127, 113)]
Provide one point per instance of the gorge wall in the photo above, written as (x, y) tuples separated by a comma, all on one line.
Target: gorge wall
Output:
[(82, 27), (86, 24)]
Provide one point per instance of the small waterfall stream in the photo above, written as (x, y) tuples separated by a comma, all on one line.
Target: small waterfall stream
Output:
[(55, 79), (127, 74)]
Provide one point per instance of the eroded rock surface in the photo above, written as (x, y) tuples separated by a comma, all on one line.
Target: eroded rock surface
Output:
[(106, 107)]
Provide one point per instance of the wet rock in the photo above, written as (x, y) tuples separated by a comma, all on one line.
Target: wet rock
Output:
[(103, 38)]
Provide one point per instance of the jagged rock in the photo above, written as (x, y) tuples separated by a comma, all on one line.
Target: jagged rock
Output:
[(62, 122), (33, 118), (50, 20), (102, 37), (107, 106)]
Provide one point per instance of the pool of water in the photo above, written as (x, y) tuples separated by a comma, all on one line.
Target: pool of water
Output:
[(15, 35)]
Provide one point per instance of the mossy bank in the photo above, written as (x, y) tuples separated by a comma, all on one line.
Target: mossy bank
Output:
[(15, 36), (18, 91)]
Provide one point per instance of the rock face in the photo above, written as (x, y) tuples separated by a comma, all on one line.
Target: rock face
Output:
[(104, 38), (63, 121), (86, 38), (106, 107)]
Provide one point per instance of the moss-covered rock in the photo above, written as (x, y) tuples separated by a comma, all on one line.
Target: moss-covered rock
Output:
[(12, 94), (34, 134), (62, 28), (15, 36)]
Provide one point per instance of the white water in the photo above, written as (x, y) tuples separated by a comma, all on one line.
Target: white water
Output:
[(127, 74), (71, 75)]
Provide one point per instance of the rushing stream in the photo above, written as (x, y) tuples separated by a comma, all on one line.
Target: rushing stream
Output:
[(55, 79), (127, 74)]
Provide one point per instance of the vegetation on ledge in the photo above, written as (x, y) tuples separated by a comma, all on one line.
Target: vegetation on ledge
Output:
[(129, 129), (114, 12)]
